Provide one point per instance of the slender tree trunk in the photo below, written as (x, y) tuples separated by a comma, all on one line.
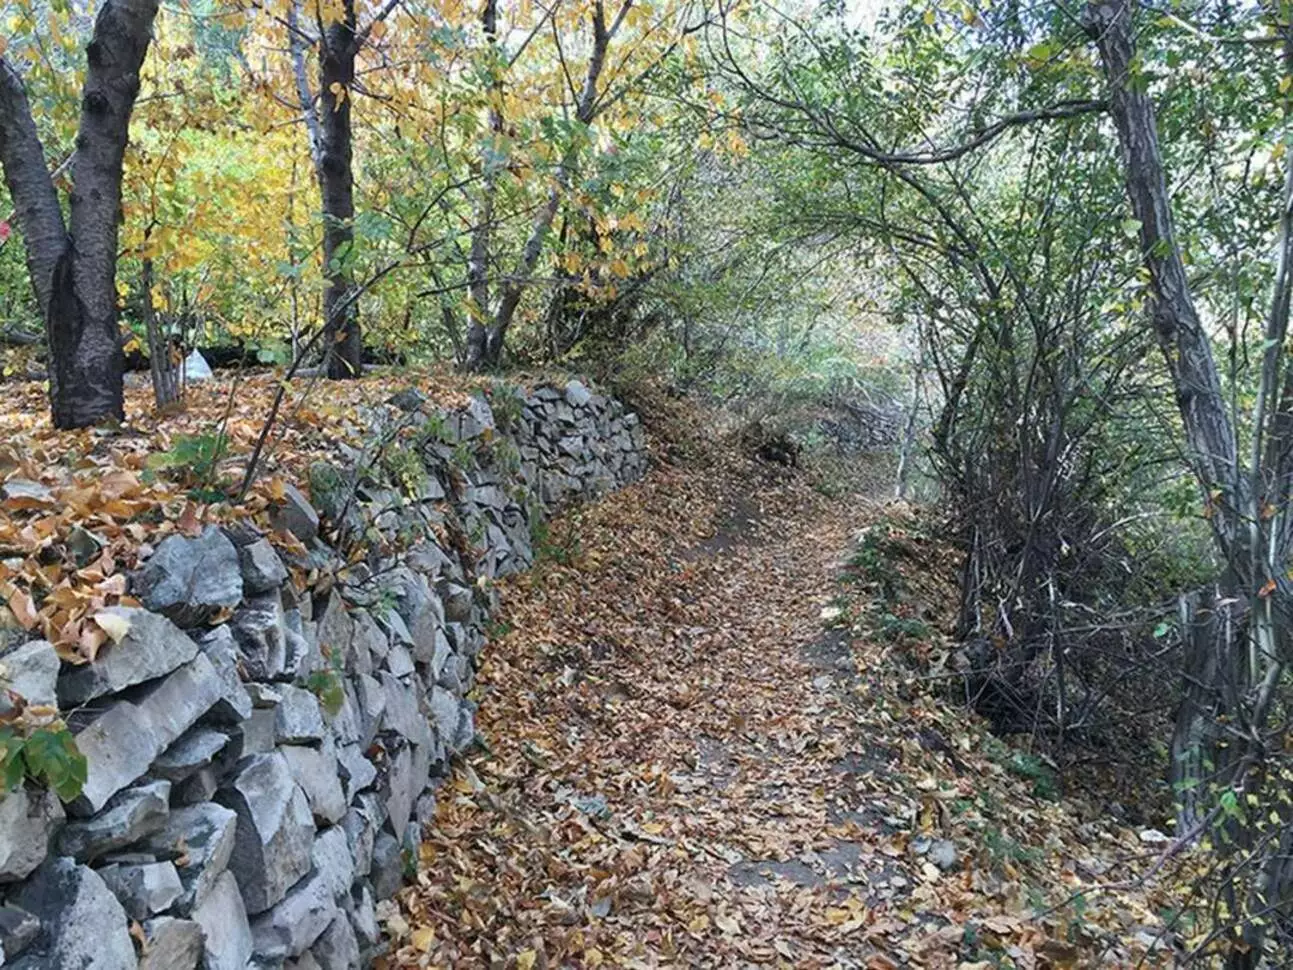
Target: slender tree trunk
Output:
[(1236, 638), (337, 188), (73, 267), (485, 340)]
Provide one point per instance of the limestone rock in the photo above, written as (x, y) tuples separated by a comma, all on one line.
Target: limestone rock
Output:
[(220, 648), (275, 830), (152, 647), (387, 873), (124, 741), (363, 915), (295, 922), (31, 671), (315, 771), (28, 820), (355, 770), (360, 825), (172, 944), (258, 628), (332, 861), (227, 936), (262, 569), (191, 580), (18, 928), (337, 948), (195, 750), (298, 718), (143, 889), (199, 839), (296, 515), (126, 818), (577, 395), (83, 927)]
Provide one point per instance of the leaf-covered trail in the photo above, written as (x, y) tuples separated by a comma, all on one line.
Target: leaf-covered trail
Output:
[(686, 770)]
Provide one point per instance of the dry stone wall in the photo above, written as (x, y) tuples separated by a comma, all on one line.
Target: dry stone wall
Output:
[(265, 739)]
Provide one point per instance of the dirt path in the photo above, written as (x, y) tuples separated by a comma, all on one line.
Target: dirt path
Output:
[(687, 769), (667, 743)]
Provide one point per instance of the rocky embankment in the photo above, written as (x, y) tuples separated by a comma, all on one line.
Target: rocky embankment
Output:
[(265, 733)]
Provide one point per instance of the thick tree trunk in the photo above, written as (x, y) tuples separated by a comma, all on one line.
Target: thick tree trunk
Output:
[(337, 187), (73, 270)]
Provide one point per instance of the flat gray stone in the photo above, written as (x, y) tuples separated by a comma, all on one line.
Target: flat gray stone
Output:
[(28, 821), (31, 672), (363, 916), (262, 569), (124, 741), (577, 395), (315, 771), (360, 825), (403, 713), (332, 860), (260, 630), (227, 941), (152, 647), (295, 922), (195, 750), (356, 771), (143, 890), (275, 830), (128, 816), (387, 873), (191, 580), (401, 787), (336, 948), (83, 927), (298, 719), (199, 839), (221, 649), (296, 515), (18, 928), (172, 944), (445, 712)]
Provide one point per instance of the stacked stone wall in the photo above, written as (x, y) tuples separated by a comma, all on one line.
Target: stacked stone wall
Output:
[(266, 734)]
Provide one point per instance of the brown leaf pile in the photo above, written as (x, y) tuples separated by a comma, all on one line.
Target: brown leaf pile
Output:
[(685, 769), (61, 485)]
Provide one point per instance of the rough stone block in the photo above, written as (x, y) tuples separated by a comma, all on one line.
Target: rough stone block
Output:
[(227, 941), (127, 817), (31, 671), (152, 647), (124, 741), (315, 771), (199, 839), (275, 830), (295, 922), (28, 821), (191, 580), (83, 927), (143, 890), (171, 944)]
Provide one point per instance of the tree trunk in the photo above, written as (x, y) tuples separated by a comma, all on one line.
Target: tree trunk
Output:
[(485, 339), (73, 269), (344, 343)]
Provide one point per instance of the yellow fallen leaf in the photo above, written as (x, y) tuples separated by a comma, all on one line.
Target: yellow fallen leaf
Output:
[(113, 624), (423, 938), (525, 960)]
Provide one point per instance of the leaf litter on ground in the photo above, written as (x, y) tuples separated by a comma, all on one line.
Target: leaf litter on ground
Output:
[(682, 766)]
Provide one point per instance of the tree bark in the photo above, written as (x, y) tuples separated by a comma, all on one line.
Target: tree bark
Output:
[(337, 50), (485, 340), (73, 268)]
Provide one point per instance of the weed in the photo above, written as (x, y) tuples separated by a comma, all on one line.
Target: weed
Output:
[(46, 754), (193, 460)]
